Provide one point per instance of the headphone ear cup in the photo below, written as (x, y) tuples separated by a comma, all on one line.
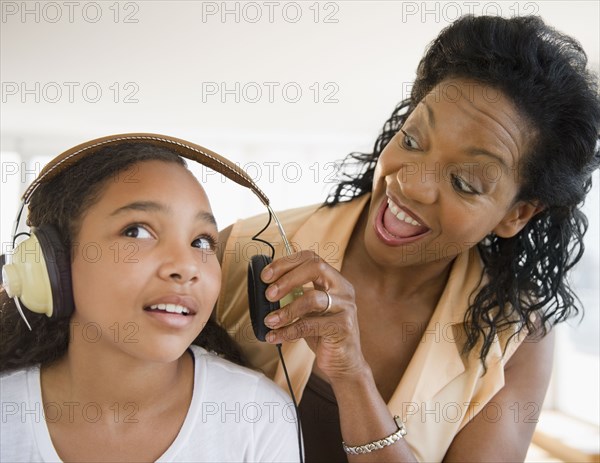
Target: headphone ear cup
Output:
[(58, 266), (260, 307)]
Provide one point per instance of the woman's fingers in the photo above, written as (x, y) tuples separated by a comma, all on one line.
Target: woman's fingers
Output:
[(284, 264), (331, 329), (312, 302), (332, 292), (299, 329), (325, 316), (332, 295), (290, 272)]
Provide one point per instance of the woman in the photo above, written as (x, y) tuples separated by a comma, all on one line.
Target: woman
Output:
[(447, 250), (136, 371)]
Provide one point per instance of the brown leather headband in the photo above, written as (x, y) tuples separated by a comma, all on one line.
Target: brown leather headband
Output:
[(184, 148)]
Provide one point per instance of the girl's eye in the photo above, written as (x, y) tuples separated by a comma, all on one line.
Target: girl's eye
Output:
[(138, 232), (462, 186), (409, 142), (205, 242)]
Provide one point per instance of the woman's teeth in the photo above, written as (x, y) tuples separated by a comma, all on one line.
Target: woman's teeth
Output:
[(172, 308), (400, 215)]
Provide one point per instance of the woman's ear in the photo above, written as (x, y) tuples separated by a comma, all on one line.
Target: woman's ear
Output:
[(517, 217)]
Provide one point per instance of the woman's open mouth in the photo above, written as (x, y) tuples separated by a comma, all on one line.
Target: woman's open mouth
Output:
[(395, 226)]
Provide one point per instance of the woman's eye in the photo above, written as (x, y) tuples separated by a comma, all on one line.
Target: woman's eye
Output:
[(206, 242), (462, 186), (408, 141), (137, 231)]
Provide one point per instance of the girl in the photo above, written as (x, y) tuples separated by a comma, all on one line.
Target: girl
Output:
[(138, 371)]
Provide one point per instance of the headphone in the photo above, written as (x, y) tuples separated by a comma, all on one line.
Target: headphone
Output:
[(38, 272)]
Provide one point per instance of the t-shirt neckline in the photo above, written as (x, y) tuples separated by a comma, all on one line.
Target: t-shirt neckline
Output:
[(42, 433)]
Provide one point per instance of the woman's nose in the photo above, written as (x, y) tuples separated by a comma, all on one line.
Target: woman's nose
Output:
[(419, 182)]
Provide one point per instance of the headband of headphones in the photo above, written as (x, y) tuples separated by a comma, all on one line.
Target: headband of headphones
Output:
[(183, 148)]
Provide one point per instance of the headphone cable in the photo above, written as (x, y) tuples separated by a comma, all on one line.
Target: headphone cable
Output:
[(289, 384), (287, 377)]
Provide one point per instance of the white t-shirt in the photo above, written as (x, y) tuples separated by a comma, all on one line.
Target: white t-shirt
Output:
[(235, 415)]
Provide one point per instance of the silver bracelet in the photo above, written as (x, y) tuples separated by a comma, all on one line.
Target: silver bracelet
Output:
[(378, 444)]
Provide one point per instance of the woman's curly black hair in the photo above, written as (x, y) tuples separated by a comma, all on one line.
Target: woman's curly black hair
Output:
[(543, 72), (62, 202)]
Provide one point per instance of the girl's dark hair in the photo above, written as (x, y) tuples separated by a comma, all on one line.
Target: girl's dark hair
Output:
[(543, 72), (62, 203)]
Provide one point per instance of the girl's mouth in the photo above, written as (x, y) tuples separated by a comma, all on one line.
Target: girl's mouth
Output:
[(169, 308)]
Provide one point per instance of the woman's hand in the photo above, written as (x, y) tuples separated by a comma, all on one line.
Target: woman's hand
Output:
[(332, 333)]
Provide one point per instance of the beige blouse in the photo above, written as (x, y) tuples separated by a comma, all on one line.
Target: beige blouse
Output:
[(441, 389)]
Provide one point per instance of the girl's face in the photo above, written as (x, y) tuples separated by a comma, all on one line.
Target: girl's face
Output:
[(145, 274), (449, 177)]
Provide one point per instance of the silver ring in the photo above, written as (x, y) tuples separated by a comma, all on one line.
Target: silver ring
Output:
[(329, 301)]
